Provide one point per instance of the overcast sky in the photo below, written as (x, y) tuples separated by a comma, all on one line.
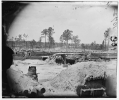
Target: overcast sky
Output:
[(87, 20)]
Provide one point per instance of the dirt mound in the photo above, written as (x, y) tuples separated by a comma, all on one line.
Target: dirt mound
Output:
[(76, 75), (64, 83)]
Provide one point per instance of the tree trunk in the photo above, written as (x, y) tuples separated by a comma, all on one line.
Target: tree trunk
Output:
[(32, 46), (105, 44), (26, 43), (75, 45), (49, 43), (67, 46), (45, 41), (108, 43)]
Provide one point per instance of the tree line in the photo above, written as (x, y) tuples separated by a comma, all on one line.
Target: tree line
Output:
[(67, 35), (64, 38)]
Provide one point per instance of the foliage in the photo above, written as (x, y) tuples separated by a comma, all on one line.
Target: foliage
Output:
[(83, 46), (51, 41), (32, 43), (107, 37), (49, 32), (76, 40), (66, 36), (45, 32), (50, 38)]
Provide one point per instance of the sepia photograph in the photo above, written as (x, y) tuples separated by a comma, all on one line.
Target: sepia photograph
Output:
[(59, 49)]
